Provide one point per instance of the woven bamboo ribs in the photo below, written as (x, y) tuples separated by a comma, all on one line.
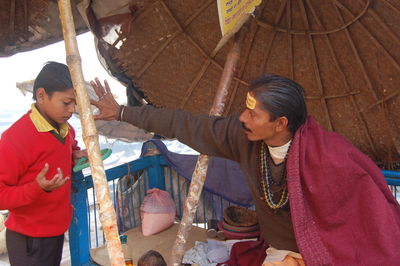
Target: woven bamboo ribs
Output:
[(344, 53), (30, 24)]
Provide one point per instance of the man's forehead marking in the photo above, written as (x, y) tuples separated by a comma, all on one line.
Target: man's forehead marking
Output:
[(250, 101)]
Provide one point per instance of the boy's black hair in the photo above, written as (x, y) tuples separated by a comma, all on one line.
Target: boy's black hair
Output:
[(151, 258), (53, 77), (281, 96)]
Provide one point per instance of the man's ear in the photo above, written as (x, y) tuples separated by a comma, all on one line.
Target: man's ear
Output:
[(282, 123), (40, 94)]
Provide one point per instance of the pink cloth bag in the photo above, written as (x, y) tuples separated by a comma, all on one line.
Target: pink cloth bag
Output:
[(158, 212)]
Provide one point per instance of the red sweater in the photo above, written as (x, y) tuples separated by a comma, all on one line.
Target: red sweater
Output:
[(23, 153)]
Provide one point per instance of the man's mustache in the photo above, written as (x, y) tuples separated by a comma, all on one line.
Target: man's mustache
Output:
[(245, 128)]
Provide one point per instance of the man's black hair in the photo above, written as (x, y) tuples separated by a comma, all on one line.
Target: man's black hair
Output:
[(53, 77), (281, 96)]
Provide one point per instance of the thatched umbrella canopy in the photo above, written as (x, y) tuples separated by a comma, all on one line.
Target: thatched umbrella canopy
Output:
[(30, 24), (345, 54)]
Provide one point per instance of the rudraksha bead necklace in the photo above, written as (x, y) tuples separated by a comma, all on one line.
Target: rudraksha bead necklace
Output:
[(267, 180)]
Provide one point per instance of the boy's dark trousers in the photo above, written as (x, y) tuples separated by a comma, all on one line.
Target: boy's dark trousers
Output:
[(34, 251)]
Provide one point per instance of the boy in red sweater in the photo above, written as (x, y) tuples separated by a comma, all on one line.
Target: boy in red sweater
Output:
[(36, 159)]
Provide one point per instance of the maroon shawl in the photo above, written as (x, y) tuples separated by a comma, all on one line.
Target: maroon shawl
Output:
[(342, 210)]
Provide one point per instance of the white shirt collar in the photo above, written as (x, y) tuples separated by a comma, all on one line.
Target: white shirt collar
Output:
[(279, 152)]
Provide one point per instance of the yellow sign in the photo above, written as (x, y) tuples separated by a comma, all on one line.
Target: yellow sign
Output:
[(233, 13)]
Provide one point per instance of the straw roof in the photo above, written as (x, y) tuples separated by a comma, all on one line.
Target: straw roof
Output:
[(344, 53), (29, 24)]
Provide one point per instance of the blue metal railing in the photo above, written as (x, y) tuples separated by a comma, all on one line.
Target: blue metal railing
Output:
[(150, 172), (392, 177), (393, 180), (79, 231), (154, 172)]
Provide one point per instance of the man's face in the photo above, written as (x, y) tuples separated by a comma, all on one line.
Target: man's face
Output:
[(58, 107), (256, 122)]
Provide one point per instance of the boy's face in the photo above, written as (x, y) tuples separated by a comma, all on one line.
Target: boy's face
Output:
[(58, 107)]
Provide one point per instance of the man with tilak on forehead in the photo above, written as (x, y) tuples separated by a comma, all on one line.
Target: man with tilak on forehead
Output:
[(318, 199)]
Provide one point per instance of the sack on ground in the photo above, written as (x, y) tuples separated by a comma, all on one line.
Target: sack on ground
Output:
[(158, 212)]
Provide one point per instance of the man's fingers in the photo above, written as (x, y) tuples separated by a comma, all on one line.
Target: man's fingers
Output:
[(107, 87), (95, 103), (99, 86), (97, 117), (96, 88)]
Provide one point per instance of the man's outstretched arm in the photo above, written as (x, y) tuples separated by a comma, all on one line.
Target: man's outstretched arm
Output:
[(217, 136)]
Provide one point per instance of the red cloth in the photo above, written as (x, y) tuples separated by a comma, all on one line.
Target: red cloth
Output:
[(23, 153), (342, 210), (247, 253)]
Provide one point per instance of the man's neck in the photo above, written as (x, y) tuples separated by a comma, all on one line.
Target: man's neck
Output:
[(279, 140)]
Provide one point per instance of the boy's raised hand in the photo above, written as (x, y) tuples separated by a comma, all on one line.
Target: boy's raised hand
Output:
[(49, 185), (106, 104)]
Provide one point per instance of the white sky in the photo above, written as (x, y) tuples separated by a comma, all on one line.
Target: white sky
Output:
[(25, 66)]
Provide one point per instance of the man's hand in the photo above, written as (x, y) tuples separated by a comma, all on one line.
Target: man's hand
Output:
[(76, 155), (107, 105), (49, 185)]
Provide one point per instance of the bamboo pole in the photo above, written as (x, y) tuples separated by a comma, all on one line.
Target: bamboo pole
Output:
[(199, 174), (106, 210)]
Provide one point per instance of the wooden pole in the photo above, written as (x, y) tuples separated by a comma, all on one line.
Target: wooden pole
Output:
[(106, 210), (199, 174)]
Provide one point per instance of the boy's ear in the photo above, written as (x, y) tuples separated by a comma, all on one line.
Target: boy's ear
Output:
[(40, 94)]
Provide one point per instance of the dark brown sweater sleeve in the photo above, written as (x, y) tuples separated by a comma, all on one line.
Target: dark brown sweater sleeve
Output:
[(216, 136)]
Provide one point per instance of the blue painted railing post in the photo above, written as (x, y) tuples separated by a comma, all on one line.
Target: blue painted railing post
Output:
[(392, 177), (156, 173), (78, 230)]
